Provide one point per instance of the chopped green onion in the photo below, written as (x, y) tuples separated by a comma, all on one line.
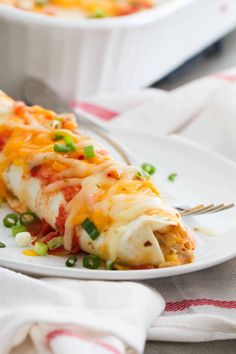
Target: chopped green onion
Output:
[(2, 245), (147, 167), (1, 201), (60, 118), (55, 124), (55, 242), (70, 262), (23, 239), (16, 229), (61, 148), (89, 151), (91, 261), (10, 220), (41, 3), (41, 248), (98, 13), (143, 174), (28, 218), (90, 228), (58, 136), (69, 142), (109, 265), (172, 177)]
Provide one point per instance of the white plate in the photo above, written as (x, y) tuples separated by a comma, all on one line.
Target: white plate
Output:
[(202, 176)]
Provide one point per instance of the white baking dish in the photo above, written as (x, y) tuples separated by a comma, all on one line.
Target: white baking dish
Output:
[(83, 57)]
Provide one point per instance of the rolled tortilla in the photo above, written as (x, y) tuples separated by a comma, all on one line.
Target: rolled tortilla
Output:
[(137, 228)]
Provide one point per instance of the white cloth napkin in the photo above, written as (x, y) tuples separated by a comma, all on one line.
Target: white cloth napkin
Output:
[(70, 316), (59, 316)]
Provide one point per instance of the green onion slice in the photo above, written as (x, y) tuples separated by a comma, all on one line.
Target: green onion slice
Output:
[(61, 148), (60, 118), (41, 3), (147, 167), (1, 201), (98, 13), (58, 136), (109, 265), (69, 142), (55, 242), (55, 124), (70, 262), (2, 245), (10, 220), (172, 177), (27, 218), (41, 248), (89, 151), (16, 229), (142, 174), (90, 228), (91, 261)]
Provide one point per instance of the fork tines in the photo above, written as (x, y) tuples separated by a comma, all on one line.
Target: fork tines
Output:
[(205, 209)]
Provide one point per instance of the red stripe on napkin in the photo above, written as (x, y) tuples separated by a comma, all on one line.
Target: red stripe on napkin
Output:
[(185, 304), (225, 77), (98, 111), (65, 333)]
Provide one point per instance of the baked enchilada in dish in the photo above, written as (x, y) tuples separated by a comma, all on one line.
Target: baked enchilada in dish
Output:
[(81, 8), (72, 196)]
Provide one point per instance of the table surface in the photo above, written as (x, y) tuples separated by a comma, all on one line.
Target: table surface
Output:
[(217, 347), (204, 66)]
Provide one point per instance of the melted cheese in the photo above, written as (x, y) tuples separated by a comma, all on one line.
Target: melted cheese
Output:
[(59, 185), (6, 105), (30, 253)]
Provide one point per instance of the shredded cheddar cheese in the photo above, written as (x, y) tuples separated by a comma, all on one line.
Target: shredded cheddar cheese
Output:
[(30, 253)]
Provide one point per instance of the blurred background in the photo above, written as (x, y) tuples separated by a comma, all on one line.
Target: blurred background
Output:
[(217, 57), (169, 44)]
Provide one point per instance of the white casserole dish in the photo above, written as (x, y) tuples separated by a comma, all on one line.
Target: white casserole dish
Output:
[(84, 57)]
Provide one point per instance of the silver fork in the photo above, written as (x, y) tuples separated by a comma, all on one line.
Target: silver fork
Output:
[(201, 209)]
